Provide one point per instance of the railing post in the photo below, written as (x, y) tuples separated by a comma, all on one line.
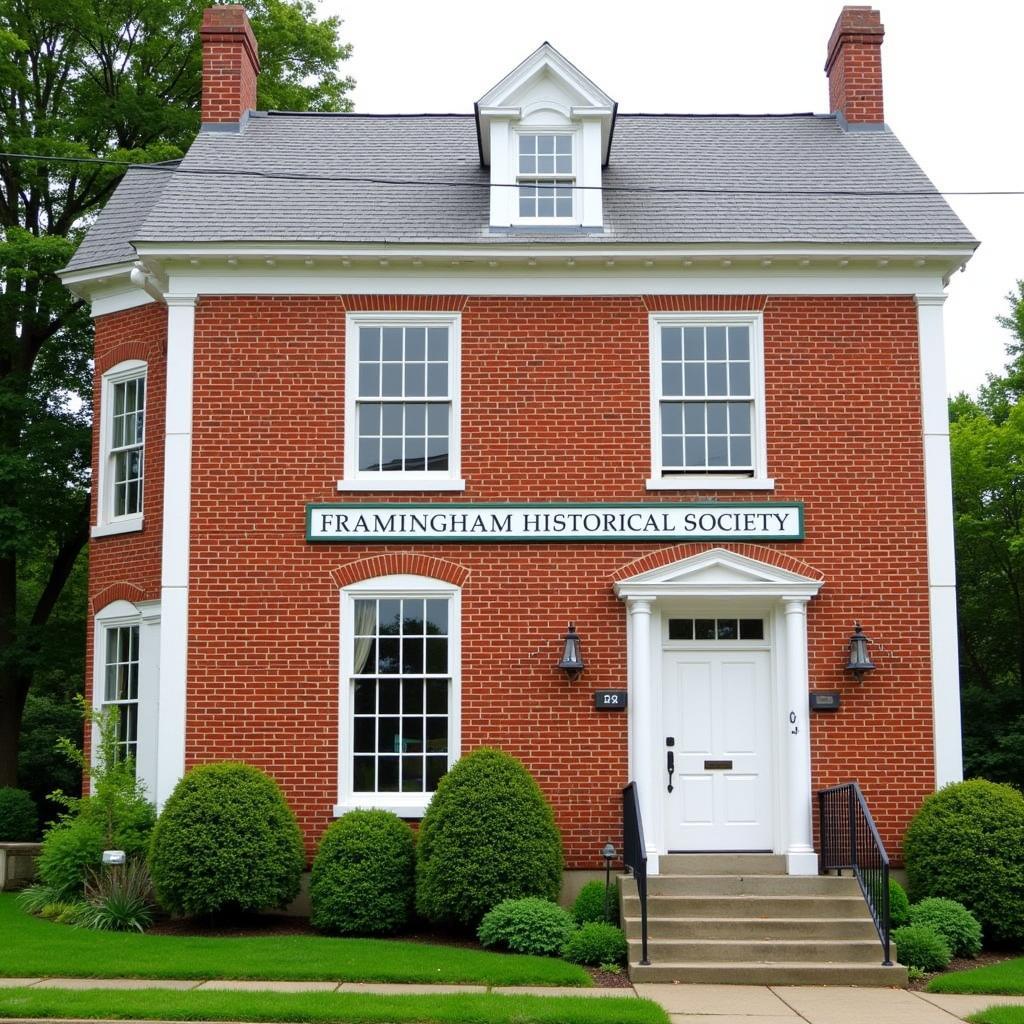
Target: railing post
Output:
[(823, 830), (853, 828), (886, 952)]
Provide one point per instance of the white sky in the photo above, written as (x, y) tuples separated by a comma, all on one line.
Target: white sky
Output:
[(953, 91)]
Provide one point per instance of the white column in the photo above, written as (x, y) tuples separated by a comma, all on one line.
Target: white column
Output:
[(643, 728), (941, 560), (175, 551), (800, 856)]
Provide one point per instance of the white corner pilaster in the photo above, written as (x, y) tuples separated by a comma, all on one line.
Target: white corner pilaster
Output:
[(590, 206), (642, 726), (503, 198), (938, 485), (174, 563), (800, 856)]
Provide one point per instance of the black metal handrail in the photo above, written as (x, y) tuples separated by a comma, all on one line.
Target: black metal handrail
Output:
[(849, 839), (635, 856)]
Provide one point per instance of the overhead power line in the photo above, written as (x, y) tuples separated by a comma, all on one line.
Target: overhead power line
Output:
[(174, 167)]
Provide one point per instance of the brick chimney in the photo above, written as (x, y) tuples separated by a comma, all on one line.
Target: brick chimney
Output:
[(854, 66), (231, 63)]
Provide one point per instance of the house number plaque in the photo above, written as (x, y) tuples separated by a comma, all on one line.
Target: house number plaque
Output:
[(610, 700)]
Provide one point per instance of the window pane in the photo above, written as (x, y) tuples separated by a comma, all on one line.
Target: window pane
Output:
[(718, 452), (391, 416), (412, 696), (437, 419), (412, 774), (363, 736), (437, 655), (704, 629), (752, 629), (739, 417), (680, 629), (739, 342), (695, 456), (369, 380), (717, 383), (671, 343), (391, 344), (672, 417), (437, 380), (694, 380), (387, 775), (415, 344), (672, 379), (563, 205), (437, 697), (389, 738), (437, 453), (739, 378), (415, 380), (387, 656), (715, 341), (728, 629), (369, 454), (364, 697), (437, 735), (369, 344), (436, 767), (693, 416), (717, 418), (387, 696), (739, 449), (437, 617), (437, 344), (415, 419), (412, 655), (693, 343), (672, 451), (391, 380), (545, 143), (362, 775), (391, 454), (369, 419)]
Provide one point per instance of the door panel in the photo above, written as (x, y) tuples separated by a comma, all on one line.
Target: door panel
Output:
[(717, 707)]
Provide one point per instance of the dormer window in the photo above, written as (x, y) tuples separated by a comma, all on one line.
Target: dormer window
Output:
[(546, 175), (545, 132)]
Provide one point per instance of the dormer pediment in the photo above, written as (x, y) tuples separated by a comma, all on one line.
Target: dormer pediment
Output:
[(545, 88)]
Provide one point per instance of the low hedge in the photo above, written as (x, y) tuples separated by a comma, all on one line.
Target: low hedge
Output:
[(529, 925), (595, 944)]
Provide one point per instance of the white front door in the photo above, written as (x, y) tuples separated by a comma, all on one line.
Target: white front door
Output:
[(716, 711)]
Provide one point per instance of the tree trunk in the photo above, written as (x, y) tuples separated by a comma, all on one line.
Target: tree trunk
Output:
[(13, 691)]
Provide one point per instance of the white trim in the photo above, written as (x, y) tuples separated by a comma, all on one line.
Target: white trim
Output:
[(941, 556), (570, 181), (721, 579), (759, 430), (414, 483), (718, 483), (145, 615), (448, 480), (174, 562), (411, 805), (127, 525), (106, 522)]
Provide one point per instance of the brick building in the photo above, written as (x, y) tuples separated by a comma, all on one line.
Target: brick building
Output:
[(385, 402)]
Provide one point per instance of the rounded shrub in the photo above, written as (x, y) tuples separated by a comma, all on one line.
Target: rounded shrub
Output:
[(899, 905), (596, 943), (966, 843), (529, 925), (922, 947), (590, 904), (19, 819), (226, 843), (953, 921), (488, 835), (363, 875)]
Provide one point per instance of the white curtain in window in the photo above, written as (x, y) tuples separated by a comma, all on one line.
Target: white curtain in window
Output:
[(365, 622)]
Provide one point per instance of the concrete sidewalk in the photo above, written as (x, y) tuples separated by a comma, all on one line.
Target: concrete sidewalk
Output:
[(756, 1004)]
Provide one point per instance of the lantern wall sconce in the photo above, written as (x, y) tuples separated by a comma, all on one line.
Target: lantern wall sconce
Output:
[(859, 662), (572, 658)]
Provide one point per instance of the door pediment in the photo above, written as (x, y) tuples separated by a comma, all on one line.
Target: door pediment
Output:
[(714, 572)]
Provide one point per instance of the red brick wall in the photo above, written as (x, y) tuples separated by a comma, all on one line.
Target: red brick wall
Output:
[(127, 566), (844, 436)]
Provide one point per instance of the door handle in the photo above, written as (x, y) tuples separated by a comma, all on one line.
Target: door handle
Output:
[(671, 769)]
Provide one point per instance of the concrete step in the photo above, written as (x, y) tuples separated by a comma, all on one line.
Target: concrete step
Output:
[(722, 864), (750, 905), (737, 973), (754, 885), (854, 927), (828, 951)]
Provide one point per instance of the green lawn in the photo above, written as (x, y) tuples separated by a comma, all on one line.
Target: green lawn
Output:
[(1000, 1015), (31, 947), (338, 1008), (1006, 978)]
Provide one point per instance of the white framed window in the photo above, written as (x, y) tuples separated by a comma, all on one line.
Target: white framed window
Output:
[(400, 692), (122, 449), (707, 402), (545, 176), (402, 402), (126, 654)]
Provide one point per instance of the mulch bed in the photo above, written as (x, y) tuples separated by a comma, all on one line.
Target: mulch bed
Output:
[(985, 959), (273, 925)]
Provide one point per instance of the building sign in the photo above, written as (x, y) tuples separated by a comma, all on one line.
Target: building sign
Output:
[(702, 521), (611, 700)]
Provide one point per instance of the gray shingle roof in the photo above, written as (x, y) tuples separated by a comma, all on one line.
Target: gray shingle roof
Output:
[(802, 152)]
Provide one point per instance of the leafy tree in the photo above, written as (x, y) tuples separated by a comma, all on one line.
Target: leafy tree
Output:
[(79, 78), (987, 440)]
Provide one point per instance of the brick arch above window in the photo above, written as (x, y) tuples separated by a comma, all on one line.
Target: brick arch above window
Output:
[(704, 303), (666, 556), (129, 592), (400, 564), (144, 351)]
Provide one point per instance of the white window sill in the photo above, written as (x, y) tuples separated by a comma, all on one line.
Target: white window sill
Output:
[(386, 802), (119, 526), (711, 483), (402, 485)]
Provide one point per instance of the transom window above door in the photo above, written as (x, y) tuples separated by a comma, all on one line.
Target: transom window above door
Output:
[(402, 403), (715, 629)]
